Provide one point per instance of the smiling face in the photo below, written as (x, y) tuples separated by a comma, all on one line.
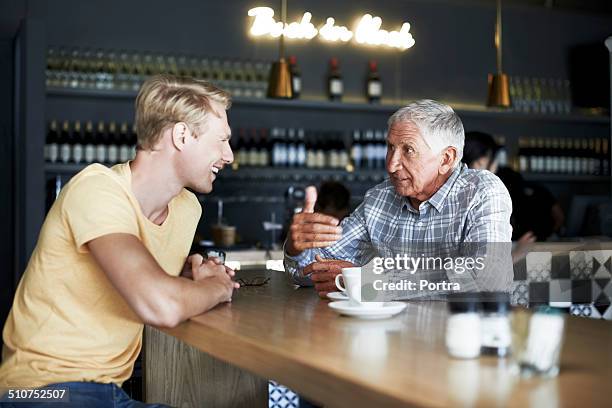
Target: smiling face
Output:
[(414, 169), (208, 152)]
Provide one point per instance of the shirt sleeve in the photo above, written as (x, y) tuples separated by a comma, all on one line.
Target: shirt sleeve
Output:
[(97, 205), (489, 218), (355, 246), (488, 238)]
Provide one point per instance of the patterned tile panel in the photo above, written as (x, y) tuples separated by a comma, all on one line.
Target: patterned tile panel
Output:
[(281, 397)]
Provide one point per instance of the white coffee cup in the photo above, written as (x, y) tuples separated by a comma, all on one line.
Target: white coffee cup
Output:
[(352, 287)]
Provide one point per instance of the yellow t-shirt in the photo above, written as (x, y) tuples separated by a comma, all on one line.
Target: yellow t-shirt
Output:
[(68, 323)]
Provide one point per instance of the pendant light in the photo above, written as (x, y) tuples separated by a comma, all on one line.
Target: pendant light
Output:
[(499, 89), (279, 82)]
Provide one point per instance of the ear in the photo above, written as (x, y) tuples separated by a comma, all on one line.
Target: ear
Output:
[(180, 131), (447, 160)]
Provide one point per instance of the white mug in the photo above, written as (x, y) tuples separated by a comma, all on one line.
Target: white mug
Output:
[(352, 287)]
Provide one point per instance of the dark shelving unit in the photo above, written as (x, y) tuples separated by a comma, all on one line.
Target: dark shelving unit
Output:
[(313, 104)]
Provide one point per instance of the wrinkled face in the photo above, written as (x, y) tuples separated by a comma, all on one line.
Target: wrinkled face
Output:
[(412, 166), (206, 153)]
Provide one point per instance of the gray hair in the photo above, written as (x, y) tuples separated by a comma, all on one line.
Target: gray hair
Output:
[(438, 123)]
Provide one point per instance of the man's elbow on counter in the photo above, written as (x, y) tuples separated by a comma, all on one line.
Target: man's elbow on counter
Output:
[(165, 313)]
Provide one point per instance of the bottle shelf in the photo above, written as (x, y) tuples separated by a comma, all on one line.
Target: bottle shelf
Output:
[(348, 106), (565, 178), (270, 174), (91, 93), (64, 168)]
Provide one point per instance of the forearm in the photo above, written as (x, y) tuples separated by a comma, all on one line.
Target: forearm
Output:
[(195, 297), (175, 299)]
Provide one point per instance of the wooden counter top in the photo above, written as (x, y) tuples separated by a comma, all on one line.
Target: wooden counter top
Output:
[(291, 336)]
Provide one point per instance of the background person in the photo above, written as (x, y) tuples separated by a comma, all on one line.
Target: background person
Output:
[(536, 212), (333, 199)]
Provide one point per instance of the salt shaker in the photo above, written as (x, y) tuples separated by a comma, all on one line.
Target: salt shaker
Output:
[(463, 326)]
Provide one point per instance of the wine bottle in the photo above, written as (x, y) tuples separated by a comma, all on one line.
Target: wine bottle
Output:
[(301, 148), (331, 150), (241, 148), (548, 159), (311, 153), (261, 79), (253, 149), (238, 78), (296, 77), (101, 143), (52, 152), (356, 150), (381, 149), (90, 147), (596, 158), (65, 143), (605, 158), (592, 158), (274, 133), (334, 81), (373, 84), (291, 148), (523, 157), (133, 141), (78, 143), (343, 156), (573, 162), (563, 159), (264, 148), (555, 156), (283, 148), (584, 156), (124, 143), (320, 151), (112, 152), (370, 150), (249, 80)]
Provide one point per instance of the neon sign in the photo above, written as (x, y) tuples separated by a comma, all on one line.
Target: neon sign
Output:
[(368, 30)]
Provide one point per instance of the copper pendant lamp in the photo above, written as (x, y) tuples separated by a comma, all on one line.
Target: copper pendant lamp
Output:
[(499, 88), (279, 82)]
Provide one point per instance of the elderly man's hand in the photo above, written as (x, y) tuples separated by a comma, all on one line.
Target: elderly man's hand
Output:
[(323, 274), (311, 230)]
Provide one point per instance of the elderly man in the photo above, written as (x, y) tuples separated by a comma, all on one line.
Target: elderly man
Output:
[(429, 200)]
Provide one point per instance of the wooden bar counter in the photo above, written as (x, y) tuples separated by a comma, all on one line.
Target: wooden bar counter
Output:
[(224, 358)]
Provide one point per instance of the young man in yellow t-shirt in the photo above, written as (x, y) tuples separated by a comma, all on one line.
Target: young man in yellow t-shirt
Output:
[(112, 254)]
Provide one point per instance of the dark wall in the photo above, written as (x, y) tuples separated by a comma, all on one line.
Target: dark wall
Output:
[(10, 14), (452, 56), (6, 178)]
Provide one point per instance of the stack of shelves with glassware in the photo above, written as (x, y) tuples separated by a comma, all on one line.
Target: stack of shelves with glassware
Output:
[(113, 77)]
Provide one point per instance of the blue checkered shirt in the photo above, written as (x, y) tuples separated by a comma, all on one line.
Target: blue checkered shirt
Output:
[(472, 206)]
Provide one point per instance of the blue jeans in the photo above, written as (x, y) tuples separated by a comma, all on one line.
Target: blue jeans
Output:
[(85, 394)]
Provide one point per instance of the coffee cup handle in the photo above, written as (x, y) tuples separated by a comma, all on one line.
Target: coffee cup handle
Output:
[(343, 289)]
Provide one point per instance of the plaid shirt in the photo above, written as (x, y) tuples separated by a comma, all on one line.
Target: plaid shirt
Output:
[(473, 206)]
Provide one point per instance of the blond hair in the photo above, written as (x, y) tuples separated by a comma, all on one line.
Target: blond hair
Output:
[(164, 100)]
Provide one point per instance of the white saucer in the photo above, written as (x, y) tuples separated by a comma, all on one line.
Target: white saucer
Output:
[(337, 296), (389, 309)]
